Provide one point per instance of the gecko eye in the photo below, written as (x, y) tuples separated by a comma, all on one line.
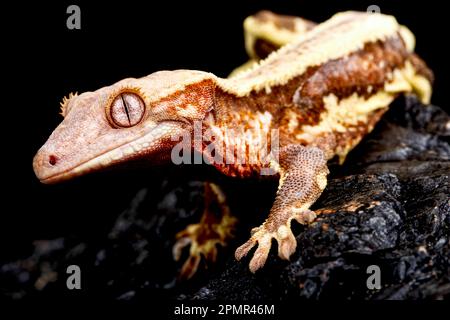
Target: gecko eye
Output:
[(127, 109)]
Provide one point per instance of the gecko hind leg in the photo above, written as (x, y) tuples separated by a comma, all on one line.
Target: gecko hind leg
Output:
[(216, 227), (303, 172)]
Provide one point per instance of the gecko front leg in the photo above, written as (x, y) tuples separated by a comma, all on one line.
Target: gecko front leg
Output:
[(303, 172)]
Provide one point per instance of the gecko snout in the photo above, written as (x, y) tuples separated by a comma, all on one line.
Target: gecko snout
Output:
[(46, 165)]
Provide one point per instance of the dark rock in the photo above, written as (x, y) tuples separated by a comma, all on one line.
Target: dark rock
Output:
[(392, 210), (388, 206)]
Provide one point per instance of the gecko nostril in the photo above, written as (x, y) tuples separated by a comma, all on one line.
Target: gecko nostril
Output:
[(52, 160)]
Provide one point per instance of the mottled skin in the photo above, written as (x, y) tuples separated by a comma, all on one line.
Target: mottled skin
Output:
[(318, 107)]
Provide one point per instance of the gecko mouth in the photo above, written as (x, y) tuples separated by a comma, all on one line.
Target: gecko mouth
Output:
[(127, 150)]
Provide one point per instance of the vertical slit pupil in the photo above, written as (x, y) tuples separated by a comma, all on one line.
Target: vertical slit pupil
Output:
[(125, 107)]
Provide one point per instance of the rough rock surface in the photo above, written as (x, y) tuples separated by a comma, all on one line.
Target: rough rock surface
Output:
[(387, 206)]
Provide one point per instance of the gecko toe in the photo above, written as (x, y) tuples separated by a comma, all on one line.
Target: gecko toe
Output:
[(178, 247), (262, 252), (189, 267), (259, 258), (305, 216), (263, 239), (243, 250), (211, 254), (286, 246)]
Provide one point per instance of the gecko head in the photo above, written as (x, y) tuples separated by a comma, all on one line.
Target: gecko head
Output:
[(133, 120)]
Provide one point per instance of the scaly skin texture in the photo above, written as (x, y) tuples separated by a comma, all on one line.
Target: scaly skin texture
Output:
[(319, 95)]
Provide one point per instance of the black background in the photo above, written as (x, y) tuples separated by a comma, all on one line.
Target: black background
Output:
[(133, 39)]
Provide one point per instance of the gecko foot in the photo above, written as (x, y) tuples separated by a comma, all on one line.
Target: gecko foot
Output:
[(203, 240), (263, 235)]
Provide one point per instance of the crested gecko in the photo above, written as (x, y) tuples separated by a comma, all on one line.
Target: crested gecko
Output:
[(317, 91)]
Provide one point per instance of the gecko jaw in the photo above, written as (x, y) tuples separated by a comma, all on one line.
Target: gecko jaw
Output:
[(145, 145)]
